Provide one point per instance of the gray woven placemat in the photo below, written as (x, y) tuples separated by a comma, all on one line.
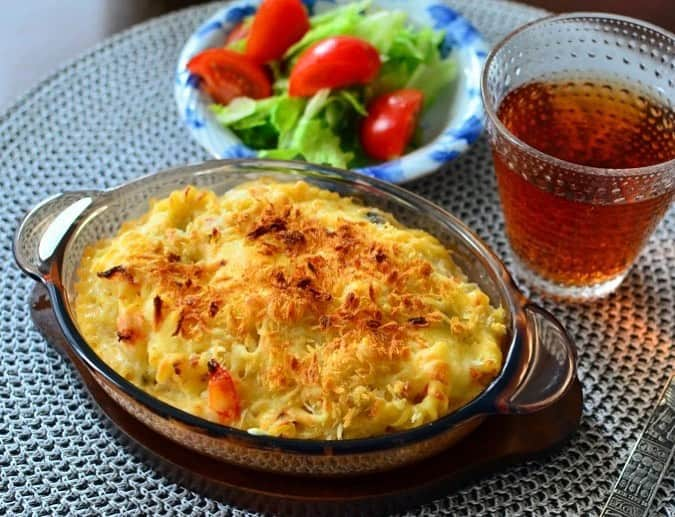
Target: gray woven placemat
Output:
[(109, 116)]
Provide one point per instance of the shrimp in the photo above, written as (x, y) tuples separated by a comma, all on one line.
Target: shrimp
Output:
[(223, 397)]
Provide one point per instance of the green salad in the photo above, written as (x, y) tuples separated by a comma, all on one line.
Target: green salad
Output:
[(325, 105)]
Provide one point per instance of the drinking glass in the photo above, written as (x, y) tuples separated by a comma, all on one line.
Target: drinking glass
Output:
[(575, 229)]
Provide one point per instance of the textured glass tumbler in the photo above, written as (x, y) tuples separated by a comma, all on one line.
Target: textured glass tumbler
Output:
[(574, 229)]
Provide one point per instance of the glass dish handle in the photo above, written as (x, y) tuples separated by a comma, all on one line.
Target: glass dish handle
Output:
[(550, 356), (41, 232)]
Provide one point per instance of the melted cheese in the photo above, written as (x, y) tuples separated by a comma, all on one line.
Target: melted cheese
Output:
[(332, 319)]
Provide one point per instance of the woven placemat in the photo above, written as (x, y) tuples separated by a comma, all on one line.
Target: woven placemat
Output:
[(109, 116)]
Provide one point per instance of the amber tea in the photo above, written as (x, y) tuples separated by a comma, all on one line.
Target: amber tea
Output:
[(595, 124)]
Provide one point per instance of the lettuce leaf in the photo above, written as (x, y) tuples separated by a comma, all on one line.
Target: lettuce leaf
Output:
[(279, 154), (318, 143), (238, 46), (244, 112), (284, 127), (378, 28), (342, 20), (431, 78), (354, 100), (259, 137), (236, 110), (314, 139), (284, 117), (414, 61)]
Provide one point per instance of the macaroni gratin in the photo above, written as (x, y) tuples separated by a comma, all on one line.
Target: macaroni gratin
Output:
[(284, 309)]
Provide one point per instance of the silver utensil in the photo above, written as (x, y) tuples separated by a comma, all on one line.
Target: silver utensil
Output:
[(647, 463)]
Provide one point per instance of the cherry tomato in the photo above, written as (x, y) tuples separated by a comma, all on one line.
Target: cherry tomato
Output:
[(334, 63), (223, 398), (276, 26), (390, 123), (227, 74), (239, 32)]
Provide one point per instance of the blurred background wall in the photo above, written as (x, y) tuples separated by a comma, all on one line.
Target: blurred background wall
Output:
[(37, 36)]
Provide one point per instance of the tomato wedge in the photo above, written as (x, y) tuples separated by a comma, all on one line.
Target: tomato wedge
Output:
[(276, 26), (223, 398), (227, 74), (239, 32), (334, 63), (389, 126)]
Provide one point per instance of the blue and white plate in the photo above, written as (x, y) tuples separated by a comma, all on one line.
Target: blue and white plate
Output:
[(449, 126)]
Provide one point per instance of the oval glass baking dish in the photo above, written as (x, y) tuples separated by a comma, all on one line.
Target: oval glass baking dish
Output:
[(539, 357)]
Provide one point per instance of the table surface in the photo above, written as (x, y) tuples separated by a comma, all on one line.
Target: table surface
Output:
[(26, 60), (110, 116)]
